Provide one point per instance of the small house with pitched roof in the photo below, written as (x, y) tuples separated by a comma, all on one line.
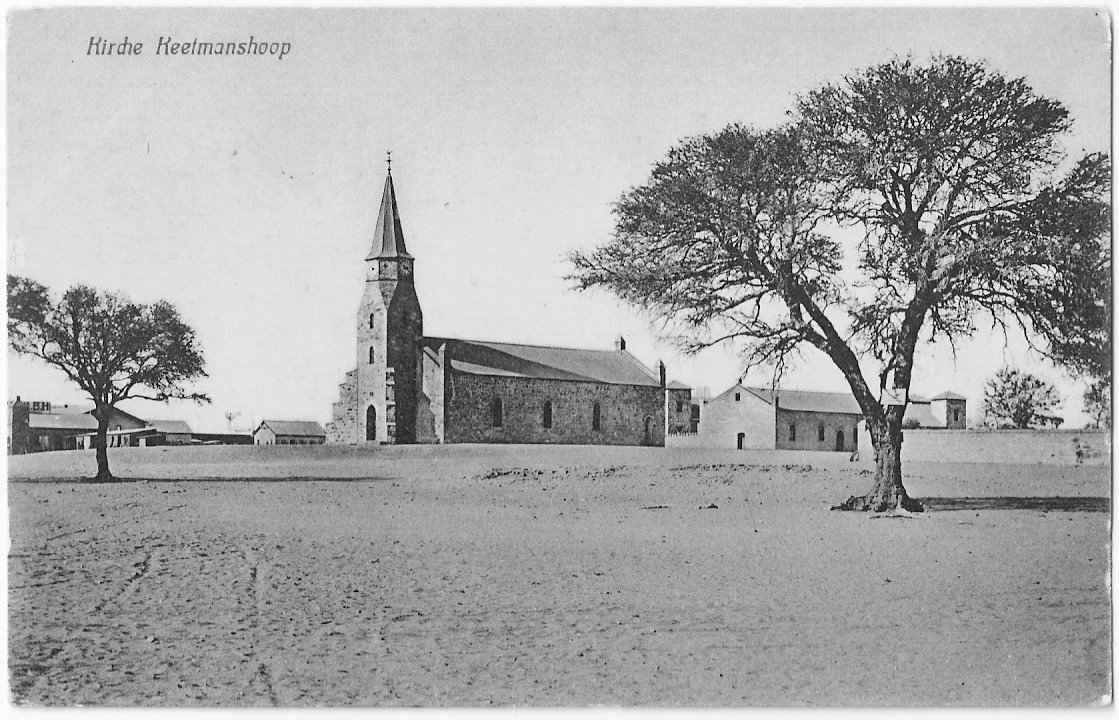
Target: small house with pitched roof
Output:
[(765, 418), (289, 432)]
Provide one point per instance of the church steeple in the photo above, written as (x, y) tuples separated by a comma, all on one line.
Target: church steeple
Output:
[(388, 236)]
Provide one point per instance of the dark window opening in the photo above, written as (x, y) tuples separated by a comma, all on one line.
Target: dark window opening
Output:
[(596, 417), (497, 413), (792, 432), (820, 432), (548, 414), (737, 397), (679, 406), (371, 321), (372, 354)]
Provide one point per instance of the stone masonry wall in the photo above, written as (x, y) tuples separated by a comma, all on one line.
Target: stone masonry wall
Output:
[(343, 426), (19, 428), (678, 420), (624, 409), (431, 414), (808, 430)]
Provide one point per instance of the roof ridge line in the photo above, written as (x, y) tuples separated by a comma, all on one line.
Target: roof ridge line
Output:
[(505, 342)]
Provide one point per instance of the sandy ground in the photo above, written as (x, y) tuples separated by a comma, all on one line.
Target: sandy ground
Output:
[(471, 576)]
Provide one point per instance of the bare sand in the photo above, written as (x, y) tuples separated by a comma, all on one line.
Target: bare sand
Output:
[(467, 576)]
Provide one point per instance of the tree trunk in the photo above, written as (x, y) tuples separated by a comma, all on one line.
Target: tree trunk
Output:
[(888, 492), (100, 442)]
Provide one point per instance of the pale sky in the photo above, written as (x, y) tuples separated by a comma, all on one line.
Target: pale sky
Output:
[(244, 189)]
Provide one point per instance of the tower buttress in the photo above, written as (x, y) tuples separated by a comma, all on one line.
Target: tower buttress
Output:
[(389, 333)]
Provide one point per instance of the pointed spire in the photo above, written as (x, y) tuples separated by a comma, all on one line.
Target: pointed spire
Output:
[(388, 236)]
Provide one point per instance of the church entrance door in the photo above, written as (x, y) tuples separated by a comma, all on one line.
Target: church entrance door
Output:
[(648, 431), (371, 424), (839, 440)]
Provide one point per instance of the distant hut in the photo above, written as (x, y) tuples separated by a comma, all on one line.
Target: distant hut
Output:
[(289, 432)]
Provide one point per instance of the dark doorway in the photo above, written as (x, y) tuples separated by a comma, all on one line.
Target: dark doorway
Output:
[(648, 431), (741, 440), (371, 424), (839, 440)]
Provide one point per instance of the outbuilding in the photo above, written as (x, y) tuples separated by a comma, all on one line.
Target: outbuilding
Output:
[(289, 432)]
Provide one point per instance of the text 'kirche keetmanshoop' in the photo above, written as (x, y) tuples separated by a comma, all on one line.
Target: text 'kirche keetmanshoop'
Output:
[(169, 45)]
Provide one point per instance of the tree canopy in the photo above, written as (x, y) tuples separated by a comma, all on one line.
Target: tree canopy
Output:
[(1013, 398), (111, 348), (946, 173)]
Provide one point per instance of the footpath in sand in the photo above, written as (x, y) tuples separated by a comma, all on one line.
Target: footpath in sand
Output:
[(551, 576)]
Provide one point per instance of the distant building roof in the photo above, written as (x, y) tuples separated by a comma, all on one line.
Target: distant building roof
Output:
[(174, 427), (68, 409), (949, 395), (299, 428), (677, 385), (614, 367), (809, 400), (62, 421)]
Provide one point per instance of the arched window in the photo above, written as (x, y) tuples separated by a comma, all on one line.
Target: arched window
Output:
[(371, 321), (371, 424), (792, 432), (497, 413), (596, 417), (547, 413), (820, 432), (372, 354)]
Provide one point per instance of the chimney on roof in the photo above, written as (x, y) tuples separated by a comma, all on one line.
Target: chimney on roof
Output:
[(620, 343), (661, 370)]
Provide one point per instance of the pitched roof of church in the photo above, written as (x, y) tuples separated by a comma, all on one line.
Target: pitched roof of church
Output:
[(949, 395), (388, 236), (613, 367)]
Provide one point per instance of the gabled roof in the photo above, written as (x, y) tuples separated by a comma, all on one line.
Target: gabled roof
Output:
[(803, 400), (480, 357), (388, 236), (677, 385), (175, 427), (62, 421), (67, 409), (949, 395), (809, 400), (300, 428)]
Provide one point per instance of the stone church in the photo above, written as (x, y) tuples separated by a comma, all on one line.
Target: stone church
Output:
[(411, 388)]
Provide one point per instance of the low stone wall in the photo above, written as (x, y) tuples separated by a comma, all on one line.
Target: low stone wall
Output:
[(1013, 447), (1022, 447)]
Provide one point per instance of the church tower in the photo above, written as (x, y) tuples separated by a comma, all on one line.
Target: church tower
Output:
[(389, 332)]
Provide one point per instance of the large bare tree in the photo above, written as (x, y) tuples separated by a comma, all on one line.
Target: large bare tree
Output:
[(946, 172), (111, 348)]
